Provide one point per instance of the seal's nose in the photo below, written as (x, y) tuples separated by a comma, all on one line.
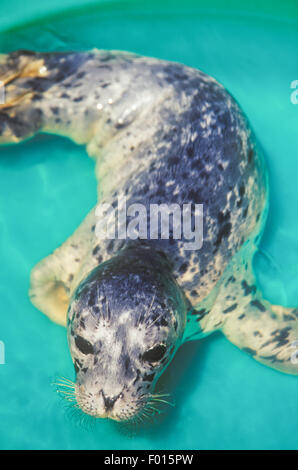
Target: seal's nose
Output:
[(109, 401)]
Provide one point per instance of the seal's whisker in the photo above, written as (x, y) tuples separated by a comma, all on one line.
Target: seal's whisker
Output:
[(71, 400), (141, 416), (67, 397), (149, 309), (108, 310), (160, 395), (159, 400), (61, 384), (95, 320), (64, 381), (147, 416), (154, 321), (149, 406), (79, 417), (67, 392), (149, 412), (138, 418)]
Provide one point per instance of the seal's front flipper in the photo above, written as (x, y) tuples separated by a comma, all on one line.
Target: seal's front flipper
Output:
[(54, 277), (267, 332)]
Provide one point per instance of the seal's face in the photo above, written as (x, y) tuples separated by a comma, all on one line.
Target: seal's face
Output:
[(123, 330)]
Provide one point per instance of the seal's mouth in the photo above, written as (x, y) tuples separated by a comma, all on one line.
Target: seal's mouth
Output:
[(106, 415), (147, 408), (121, 408)]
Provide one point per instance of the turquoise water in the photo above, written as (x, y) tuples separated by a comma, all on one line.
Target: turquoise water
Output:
[(224, 399)]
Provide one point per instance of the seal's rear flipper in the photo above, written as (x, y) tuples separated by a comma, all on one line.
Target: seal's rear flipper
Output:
[(32, 84), (269, 333), (19, 117)]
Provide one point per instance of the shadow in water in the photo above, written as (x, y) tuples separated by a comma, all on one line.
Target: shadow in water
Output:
[(36, 150)]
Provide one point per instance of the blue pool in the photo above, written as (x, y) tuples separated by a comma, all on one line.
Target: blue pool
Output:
[(224, 399)]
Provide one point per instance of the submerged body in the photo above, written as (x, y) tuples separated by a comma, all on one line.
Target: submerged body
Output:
[(161, 133)]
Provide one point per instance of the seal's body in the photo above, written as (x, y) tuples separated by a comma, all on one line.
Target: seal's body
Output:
[(161, 133)]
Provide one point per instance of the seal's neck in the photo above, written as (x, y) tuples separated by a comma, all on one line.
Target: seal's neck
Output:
[(136, 255), (138, 271)]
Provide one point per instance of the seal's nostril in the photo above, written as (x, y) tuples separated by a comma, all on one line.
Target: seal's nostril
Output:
[(109, 401)]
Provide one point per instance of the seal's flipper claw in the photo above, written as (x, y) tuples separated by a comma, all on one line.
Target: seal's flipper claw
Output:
[(31, 87), (20, 116)]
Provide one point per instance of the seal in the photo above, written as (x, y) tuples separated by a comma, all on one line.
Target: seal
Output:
[(161, 133)]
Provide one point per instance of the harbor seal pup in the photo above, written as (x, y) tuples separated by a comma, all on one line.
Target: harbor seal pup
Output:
[(161, 133)]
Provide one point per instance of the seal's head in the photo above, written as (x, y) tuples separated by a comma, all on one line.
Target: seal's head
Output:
[(125, 322)]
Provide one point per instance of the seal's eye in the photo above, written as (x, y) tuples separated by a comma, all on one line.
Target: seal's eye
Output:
[(154, 354), (83, 345)]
